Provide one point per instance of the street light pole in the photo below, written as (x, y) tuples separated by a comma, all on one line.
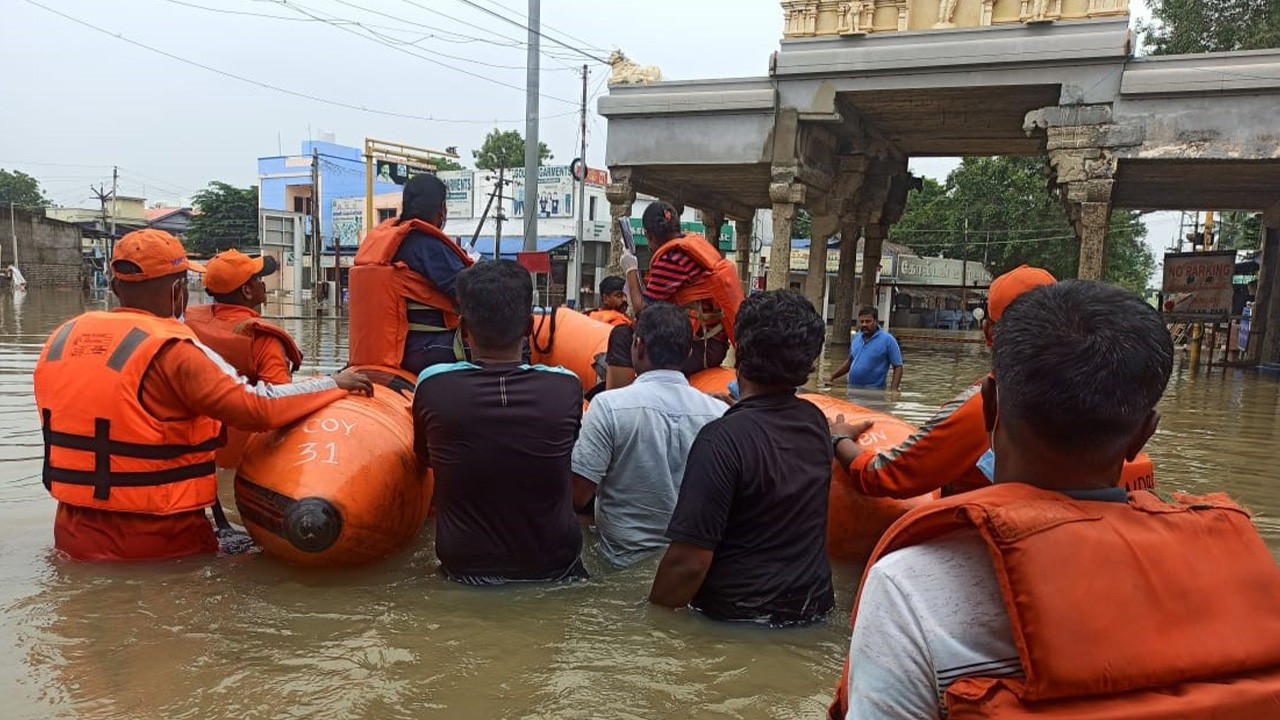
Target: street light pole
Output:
[(531, 145)]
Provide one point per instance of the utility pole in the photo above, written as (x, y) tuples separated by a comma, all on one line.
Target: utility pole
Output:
[(575, 271), (499, 217), (531, 129), (13, 232), (115, 182), (315, 222), (100, 192)]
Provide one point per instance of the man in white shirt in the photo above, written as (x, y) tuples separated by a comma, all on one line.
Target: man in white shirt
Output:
[(1079, 368), (630, 456)]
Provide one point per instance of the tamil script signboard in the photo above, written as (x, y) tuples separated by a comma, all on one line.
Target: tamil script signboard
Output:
[(940, 271), (1198, 284), (461, 186)]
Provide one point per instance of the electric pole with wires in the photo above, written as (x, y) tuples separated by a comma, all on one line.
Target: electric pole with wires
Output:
[(531, 145)]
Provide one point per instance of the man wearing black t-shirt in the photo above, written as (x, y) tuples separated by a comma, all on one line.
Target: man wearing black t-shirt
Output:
[(749, 531), (499, 435)]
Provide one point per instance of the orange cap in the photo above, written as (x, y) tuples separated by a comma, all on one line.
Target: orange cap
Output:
[(156, 252), (1006, 288), (230, 269)]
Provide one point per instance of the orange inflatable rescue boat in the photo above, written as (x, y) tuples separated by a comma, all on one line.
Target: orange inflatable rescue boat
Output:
[(341, 487), (573, 341), (855, 521)]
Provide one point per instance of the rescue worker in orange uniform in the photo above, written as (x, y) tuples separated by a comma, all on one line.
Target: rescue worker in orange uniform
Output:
[(685, 270), (1055, 593), (232, 327), (613, 302), (951, 450), (132, 405), (404, 285)]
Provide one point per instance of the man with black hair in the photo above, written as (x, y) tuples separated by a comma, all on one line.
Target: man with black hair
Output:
[(1078, 370), (749, 532), (630, 457), (686, 270), (403, 285), (871, 353), (499, 435), (613, 302)]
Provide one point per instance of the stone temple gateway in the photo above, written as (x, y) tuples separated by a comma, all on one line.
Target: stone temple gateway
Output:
[(858, 87)]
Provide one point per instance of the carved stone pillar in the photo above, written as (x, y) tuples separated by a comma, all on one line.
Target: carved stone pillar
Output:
[(621, 198), (785, 196), (743, 230), (823, 227), (871, 254), (1264, 330), (846, 279), (1081, 142), (713, 220)]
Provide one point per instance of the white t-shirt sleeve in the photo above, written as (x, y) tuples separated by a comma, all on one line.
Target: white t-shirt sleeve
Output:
[(891, 674), (593, 451)]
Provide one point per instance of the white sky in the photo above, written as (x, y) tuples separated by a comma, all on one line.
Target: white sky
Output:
[(79, 101)]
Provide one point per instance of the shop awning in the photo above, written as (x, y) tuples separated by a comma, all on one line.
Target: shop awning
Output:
[(515, 244)]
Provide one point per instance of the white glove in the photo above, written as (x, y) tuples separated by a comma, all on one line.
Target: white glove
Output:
[(628, 262)]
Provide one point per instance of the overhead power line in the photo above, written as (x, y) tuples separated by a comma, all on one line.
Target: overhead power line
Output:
[(539, 33), (574, 38), (258, 83)]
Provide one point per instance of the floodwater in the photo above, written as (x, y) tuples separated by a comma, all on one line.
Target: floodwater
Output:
[(251, 638)]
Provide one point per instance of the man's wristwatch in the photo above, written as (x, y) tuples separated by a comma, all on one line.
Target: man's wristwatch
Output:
[(835, 440)]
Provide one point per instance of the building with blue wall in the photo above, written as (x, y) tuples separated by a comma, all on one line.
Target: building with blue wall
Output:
[(284, 182)]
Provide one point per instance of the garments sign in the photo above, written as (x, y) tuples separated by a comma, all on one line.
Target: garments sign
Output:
[(554, 196), (461, 187), (398, 173), (1199, 283), (347, 221)]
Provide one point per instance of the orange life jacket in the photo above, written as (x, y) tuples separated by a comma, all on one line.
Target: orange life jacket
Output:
[(718, 285), (381, 290), (229, 329), (612, 317), (102, 449), (1145, 609)]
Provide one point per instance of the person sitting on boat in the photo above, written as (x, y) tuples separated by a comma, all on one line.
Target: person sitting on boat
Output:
[(945, 451), (132, 405), (403, 302), (232, 327), (499, 435), (613, 302), (688, 271), (993, 604), (749, 531), (630, 455)]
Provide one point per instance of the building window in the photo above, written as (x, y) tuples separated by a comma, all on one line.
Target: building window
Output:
[(591, 208), (302, 205), (386, 213)]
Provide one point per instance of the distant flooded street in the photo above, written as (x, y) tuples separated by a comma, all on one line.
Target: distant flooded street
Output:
[(251, 638)]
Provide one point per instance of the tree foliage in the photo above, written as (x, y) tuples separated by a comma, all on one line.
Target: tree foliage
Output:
[(1198, 26), (443, 163), (505, 150), (227, 218), (1012, 219), (1239, 231), (802, 225), (21, 189)]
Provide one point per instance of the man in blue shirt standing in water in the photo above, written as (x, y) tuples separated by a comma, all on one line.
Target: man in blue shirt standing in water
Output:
[(871, 353)]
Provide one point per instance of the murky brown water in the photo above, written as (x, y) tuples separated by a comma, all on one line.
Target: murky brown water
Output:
[(251, 638)]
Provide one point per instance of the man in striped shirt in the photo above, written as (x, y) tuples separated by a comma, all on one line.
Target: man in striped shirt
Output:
[(671, 271)]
